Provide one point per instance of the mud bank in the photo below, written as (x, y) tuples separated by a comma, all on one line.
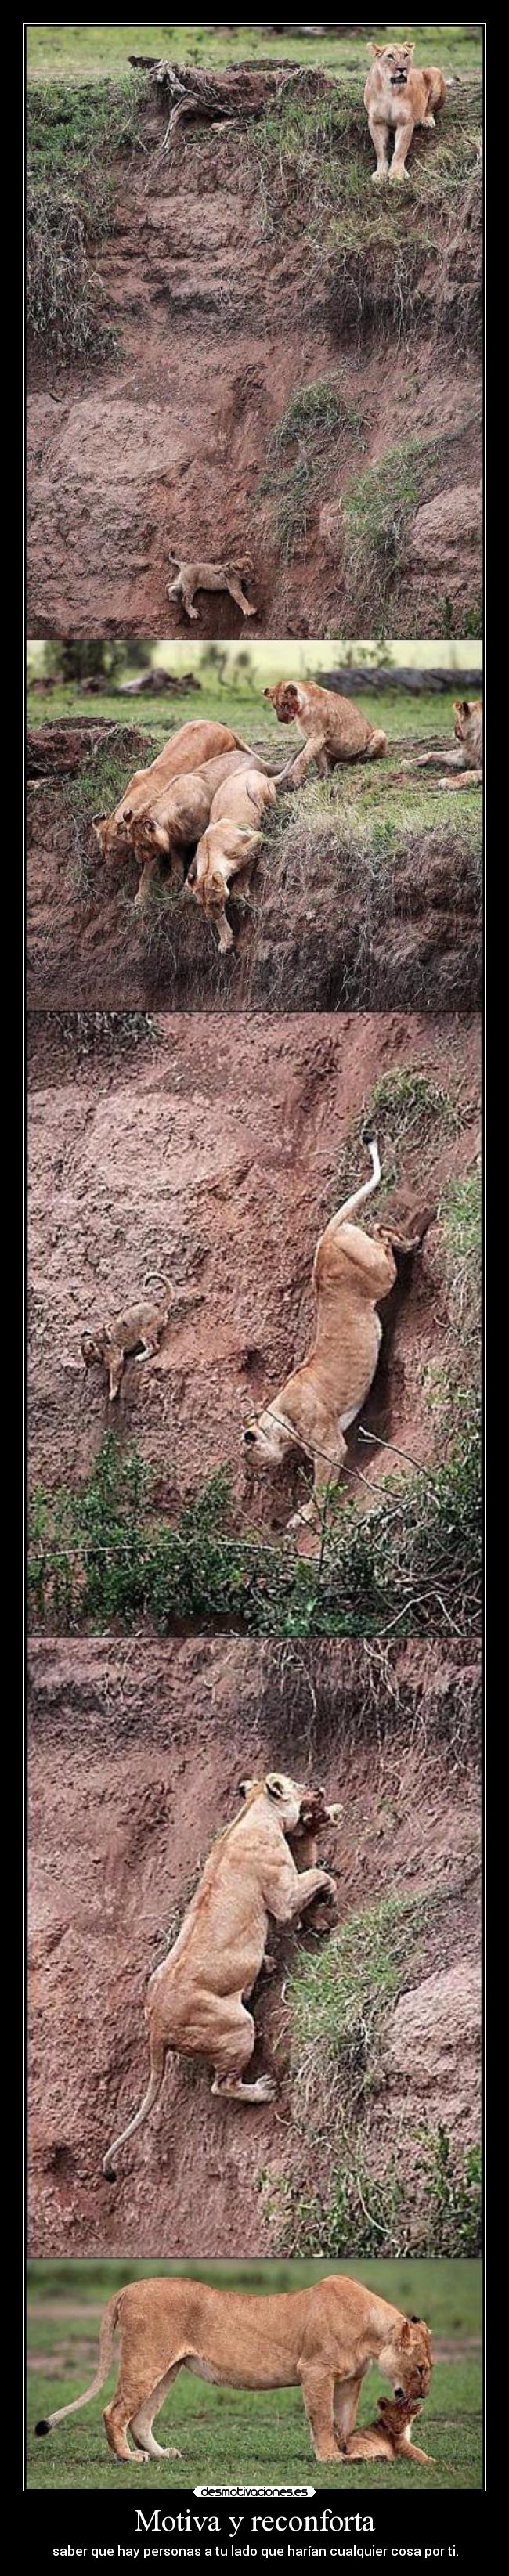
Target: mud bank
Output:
[(240, 270), (216, 1151), (366, 894)]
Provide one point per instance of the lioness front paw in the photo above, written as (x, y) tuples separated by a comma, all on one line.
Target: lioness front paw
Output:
[(379, 175), (397, 173)]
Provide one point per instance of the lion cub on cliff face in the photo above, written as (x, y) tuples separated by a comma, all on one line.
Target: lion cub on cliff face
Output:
[(208, 576), (388, 2437), (141, 1323), (397, 98)]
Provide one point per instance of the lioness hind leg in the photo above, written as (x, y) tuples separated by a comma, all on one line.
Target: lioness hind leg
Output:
[(231, 2056), (115, 2420), (141, 2424)]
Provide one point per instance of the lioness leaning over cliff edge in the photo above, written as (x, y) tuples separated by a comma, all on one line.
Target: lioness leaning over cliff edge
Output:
[(195, 2000), (321, 2340), (318, 1402)]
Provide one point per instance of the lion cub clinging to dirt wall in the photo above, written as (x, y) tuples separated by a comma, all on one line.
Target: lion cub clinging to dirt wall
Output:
[(399, 97), (139, 1324), (210, 576), (196, 1996)]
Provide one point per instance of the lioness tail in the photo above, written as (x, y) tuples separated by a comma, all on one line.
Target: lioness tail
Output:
[(108, 2324)]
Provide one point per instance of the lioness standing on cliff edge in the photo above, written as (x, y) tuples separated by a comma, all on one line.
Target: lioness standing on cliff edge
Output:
[(398, 97)]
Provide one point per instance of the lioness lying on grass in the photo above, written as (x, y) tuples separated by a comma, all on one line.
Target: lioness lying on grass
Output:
[(196, 1997), (468, 727), (321, 2340)]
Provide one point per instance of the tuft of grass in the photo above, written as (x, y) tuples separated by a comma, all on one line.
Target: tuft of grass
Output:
[(407, 1111), (362, 2214), (377, 510), (75, 139), (339, 1996), (314, 425), (461, 1227)]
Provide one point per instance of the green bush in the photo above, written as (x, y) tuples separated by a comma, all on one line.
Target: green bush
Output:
[(411, 1564)]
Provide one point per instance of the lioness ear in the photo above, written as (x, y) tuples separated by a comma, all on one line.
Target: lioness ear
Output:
[(375, 49), (244, 1787), (415, 2321), (274, 1786), (98, 818), (461, 707), (126, 815), (405, 2330)]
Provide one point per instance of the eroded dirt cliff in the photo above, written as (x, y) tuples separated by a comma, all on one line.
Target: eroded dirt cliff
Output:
[(216, 1149), (367, 893), (240, 269)]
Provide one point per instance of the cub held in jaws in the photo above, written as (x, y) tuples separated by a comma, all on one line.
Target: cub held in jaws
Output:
[(197, 1996), (320, 2340), (398, 97), (142, 1323)]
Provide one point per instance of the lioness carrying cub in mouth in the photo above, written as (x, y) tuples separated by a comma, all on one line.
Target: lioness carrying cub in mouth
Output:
[(398, 97), (321, 2340), (318, 1402), (196, 1996)]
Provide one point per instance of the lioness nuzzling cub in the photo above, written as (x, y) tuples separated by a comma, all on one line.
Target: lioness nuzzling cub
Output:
[(398, 96), (321, 2340)]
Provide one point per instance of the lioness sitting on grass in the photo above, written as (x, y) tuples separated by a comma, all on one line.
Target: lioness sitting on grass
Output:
[(334, 728), (398, 97)]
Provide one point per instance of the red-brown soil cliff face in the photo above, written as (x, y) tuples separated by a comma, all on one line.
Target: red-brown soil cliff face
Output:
[(209, 1149), (223, 307)]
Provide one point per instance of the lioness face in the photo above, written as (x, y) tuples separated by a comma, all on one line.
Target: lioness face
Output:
[(285, 699), (112, 835), (291, 1798), (395, 60), (462, 714), (408, 2360), (148, 836), (266, 1440)]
